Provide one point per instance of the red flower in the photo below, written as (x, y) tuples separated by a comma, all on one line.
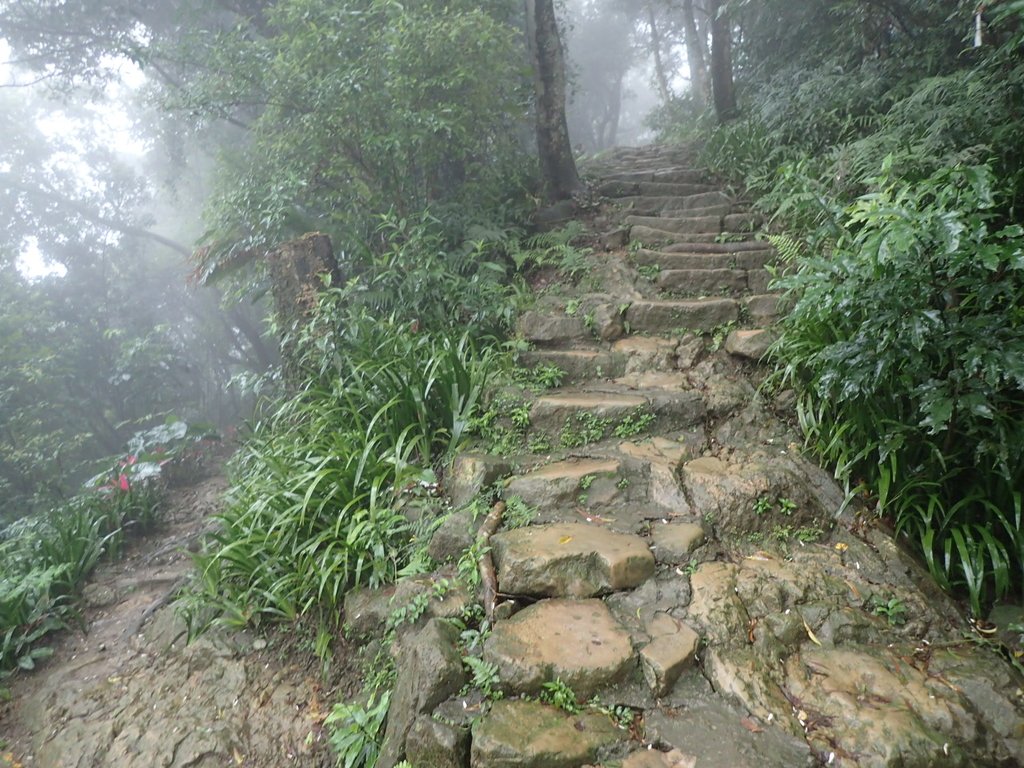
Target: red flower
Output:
[(122, 483)]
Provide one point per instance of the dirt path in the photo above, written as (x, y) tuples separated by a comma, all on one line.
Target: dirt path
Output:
[(130, 692)]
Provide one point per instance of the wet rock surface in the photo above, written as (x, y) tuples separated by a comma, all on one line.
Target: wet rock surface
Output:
[(776, 627), (528, 734), (570, 560), (576, 641)]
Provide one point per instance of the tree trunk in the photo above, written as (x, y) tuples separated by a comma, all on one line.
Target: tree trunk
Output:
[(297, 272), (721, 64), (695, 56), (557, 165), (659, 65)]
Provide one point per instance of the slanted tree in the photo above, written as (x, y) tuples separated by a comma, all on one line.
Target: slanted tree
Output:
[(557, 164)]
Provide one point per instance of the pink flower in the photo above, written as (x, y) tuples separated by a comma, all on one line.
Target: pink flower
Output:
[(122, 483)]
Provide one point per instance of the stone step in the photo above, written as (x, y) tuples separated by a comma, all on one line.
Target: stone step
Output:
[(652, 189), (576, 641), (749, 260), (694, 314), (569, 560), (664, 176), (703, 282), (592, 485), (552, 327), (742, 222), (576, 418), (675, 202), (681, 225), (750, 344), (650, 235), (529, 734), (719, 209), (577, 365), (735, 246)]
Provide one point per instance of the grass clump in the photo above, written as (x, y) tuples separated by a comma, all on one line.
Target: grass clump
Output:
[(316, 505)]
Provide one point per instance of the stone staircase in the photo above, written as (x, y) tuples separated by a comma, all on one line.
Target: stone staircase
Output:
[(669, 556)]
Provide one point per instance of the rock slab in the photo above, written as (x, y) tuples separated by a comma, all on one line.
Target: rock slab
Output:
[(569, 560), (528, 734), (576, 641), (429, 671)]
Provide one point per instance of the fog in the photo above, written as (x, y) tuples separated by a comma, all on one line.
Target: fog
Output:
[(610, 46)]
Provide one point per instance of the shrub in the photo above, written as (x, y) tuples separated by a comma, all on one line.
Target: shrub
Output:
[(906, 347)]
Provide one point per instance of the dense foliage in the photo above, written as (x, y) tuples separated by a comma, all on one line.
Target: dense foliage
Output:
[(364, 109), (888, 151), (325, 484)]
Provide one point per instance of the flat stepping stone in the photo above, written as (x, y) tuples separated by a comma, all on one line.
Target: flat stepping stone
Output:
[(576, 364), (655, 204), (576, 641), (569, 560), (683, 225), (644, 234), (555, 409), (714, 731), (749, 260), (618, 188), (529, 734), (550, 327), (673, 542), (652, 758), (742, 222), (665, 316), (703, 281), (735, 246), (646, 353), (749, 344), (766, 308), (559, 486)]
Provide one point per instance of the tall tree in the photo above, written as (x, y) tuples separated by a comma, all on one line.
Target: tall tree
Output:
[(721, 62), (695, 57), (661, 77), (557, 164)]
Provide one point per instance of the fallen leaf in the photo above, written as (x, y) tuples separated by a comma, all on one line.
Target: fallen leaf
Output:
[(853, 588), (811, 634), (565, 540), (751, 726)]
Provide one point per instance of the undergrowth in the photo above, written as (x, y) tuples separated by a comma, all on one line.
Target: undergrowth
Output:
[(893, 185)]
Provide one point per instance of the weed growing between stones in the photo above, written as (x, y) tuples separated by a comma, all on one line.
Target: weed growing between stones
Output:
[(558, 694), (553, 249), (719, 334), (892, 609), (357, 730), (633, 424), (649, 271), (504, 424), (484, 677), (582, 429), (518, 513)]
